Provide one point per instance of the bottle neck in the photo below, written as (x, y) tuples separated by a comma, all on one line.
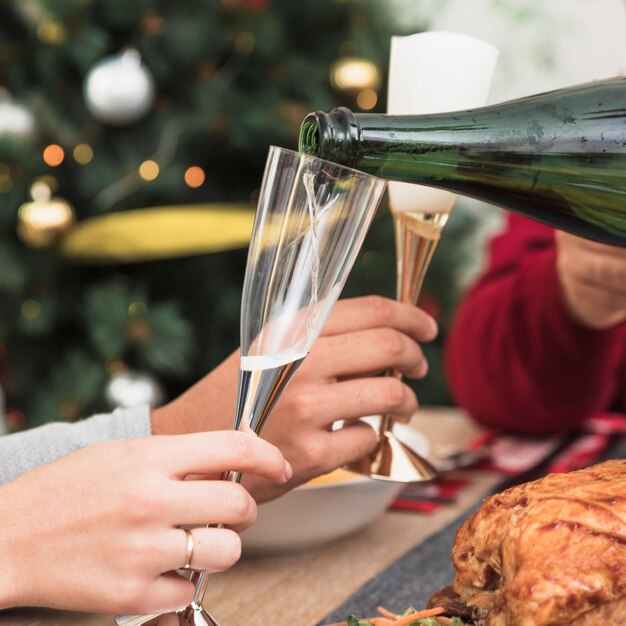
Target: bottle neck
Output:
[(405, 148), (584, 122), (333, 136)]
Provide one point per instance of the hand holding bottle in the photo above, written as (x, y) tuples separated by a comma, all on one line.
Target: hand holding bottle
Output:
[(593, 279), (98, 530)]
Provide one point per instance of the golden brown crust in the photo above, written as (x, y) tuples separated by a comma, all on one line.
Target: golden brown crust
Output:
[(610, 614), (548, 552)]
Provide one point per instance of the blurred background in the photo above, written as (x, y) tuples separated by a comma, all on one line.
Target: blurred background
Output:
[(133, 137)]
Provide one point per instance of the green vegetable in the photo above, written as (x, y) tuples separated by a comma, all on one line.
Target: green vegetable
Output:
[(353, 621)]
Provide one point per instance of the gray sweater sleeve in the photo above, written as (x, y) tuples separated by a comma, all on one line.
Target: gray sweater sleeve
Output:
[(21, 452)]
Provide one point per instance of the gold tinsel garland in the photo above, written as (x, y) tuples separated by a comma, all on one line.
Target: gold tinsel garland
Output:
[(152, 233)]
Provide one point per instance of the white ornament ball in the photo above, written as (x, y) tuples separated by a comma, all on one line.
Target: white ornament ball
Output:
[(119, 89), (16, 120), (129, 389)]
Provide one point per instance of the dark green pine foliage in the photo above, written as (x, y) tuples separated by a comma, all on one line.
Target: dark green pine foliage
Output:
[(232, 77)]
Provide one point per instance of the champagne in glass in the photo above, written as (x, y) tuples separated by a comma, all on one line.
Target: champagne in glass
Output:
[(417, 234), (429, 72)]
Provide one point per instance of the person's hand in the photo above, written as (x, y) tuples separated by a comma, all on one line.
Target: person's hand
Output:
[(337, 381), (593, 279), (98, 529)]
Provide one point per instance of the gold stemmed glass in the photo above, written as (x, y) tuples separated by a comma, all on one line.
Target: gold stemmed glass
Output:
[(417, 234), (310, 223), (429, 72)]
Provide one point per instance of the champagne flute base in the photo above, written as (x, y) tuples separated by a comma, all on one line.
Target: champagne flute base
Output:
[(190, 616), (395, 460)]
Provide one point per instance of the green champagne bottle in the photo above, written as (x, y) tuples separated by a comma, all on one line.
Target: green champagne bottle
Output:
[(559, 157)]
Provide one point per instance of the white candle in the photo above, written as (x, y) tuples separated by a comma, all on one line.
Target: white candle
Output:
[(435, 72)]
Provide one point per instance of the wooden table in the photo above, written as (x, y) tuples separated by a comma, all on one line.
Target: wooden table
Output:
[(302, 589)]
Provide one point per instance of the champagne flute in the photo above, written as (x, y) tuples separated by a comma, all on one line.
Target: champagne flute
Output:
[(310, 223), (429, 72)]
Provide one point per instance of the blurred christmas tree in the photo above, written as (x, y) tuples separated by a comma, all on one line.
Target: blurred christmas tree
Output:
[(108, 106)]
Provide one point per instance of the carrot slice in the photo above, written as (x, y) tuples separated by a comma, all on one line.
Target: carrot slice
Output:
[(385, 613), (409, 619)]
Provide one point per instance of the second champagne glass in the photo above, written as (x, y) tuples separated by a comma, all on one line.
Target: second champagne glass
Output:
[(429, 72)]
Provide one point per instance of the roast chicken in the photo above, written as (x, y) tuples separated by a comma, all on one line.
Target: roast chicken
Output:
[(546, 553)]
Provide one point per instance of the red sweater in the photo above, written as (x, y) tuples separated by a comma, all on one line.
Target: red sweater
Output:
[(515, 358)]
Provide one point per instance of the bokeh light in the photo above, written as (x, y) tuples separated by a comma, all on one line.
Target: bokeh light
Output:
[(51, 32), (367, 99), (30, 309), (83, 153), (354, 73), (149, 170), (53, 155), (137, 308), (194, 176)]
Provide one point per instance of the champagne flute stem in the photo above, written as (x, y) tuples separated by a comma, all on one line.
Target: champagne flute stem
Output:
[(385, 427), (199, 578), (257, 393), (416, 237)]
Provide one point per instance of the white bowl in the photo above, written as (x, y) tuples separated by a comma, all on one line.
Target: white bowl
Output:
[(316, 514)]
